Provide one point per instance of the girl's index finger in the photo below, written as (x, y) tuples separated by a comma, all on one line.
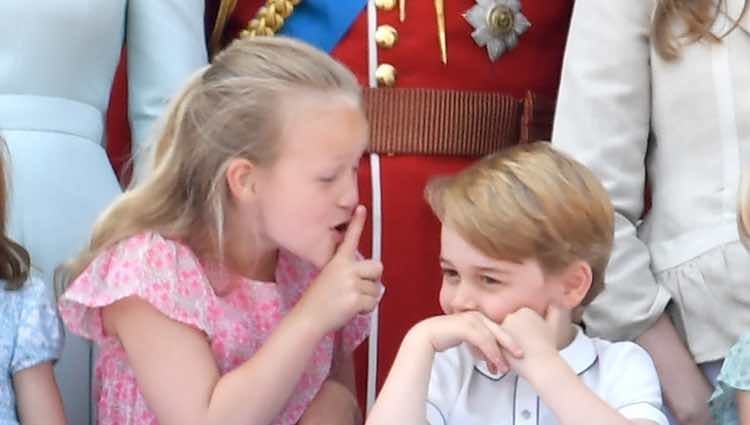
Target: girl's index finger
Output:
[(350, 243)]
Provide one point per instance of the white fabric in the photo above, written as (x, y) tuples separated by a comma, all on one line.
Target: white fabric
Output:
[(625, 112), (462, 390)]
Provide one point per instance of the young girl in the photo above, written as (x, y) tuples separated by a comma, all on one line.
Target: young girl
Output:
[(226, 288), (30, 337), (730, 403)]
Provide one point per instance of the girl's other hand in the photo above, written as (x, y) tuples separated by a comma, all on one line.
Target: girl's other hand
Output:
[(347, 285)]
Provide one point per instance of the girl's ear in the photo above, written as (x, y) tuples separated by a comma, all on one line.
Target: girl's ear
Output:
[(576, 282), (240, 178)]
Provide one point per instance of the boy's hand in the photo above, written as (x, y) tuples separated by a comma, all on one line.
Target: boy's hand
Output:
[(536, 336), (487, 340), (347, 285)]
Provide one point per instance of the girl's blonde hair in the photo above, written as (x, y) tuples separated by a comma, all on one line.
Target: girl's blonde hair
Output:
[(530, 201), (698, 17), (15, 263), (230, 109), (743, 215)]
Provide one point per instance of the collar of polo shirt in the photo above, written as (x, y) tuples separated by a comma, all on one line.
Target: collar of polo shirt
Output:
[(579, 354)]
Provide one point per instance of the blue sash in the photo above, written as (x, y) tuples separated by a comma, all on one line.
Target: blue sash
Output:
[(322, 23)]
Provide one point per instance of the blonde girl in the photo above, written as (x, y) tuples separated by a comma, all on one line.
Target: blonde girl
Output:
[(31, 337), (226, 288)]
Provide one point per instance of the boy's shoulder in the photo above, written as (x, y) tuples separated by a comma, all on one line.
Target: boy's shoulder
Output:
[(611, 353)]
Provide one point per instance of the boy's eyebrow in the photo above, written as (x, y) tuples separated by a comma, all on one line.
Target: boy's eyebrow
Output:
[(495, 269)]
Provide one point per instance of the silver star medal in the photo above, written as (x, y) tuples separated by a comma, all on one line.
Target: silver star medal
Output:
[(498, 24)]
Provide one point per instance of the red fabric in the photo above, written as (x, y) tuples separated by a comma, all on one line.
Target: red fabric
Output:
[(118, 129)]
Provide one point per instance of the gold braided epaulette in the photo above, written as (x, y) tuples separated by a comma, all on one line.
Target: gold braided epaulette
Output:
[(270, 18)]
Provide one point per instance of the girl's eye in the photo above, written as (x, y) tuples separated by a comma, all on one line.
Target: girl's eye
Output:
[(327, 179), (450, 274), (490, 281)]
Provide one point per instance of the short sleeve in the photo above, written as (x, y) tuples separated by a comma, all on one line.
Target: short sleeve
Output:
[(734, 375), (445, 379), (39, 337), (160, 271), (631, 384)]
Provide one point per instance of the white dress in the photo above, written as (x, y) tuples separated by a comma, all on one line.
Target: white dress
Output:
[(57, 63)]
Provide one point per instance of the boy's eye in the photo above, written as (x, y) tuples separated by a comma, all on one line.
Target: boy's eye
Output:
[(490, 281)]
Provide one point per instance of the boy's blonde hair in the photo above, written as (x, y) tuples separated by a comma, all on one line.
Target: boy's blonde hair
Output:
[(230, 109), (530, 201)]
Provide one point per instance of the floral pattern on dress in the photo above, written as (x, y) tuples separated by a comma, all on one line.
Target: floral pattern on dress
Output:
[(30, 334), (169, 276), (734, 375)]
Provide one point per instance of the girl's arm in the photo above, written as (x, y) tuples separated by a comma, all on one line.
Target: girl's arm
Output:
[(684, 387), (175, 367), (336, 402), (37, 396), (743, 407), (178, 376)]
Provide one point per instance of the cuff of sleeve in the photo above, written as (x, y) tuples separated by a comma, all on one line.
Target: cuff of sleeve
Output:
[(644, 411), (33, 361), (608, 322)]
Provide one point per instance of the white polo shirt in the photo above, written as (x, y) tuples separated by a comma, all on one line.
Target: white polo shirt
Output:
[(463, 392)]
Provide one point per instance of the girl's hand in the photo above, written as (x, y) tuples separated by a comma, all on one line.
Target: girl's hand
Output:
[(486, 339), (347, 285)]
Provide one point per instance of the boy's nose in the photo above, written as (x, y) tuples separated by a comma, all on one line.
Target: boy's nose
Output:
[(463, 301)]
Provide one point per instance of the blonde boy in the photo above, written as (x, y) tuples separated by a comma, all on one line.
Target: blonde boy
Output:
[(526, 236)]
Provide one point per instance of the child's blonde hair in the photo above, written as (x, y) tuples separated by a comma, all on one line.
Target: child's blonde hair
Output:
[(15, 263), (743, 215), (530, 201), (230, 109)]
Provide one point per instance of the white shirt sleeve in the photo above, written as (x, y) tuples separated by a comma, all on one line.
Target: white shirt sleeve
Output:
[(603, 119), (446, 377), (630, 383)]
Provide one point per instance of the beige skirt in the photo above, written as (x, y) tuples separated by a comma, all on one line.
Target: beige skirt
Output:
[(710, 299)]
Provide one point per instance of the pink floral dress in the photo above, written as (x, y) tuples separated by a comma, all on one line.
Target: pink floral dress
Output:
[(168, 275)]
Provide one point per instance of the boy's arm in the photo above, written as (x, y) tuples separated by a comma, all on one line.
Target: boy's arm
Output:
[(403, 399), (571, 400), (565, 393)]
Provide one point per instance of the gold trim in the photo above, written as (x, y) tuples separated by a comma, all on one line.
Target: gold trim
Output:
[(270, 18)]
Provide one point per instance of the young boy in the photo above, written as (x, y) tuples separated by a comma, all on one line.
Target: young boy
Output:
[(526, 236)]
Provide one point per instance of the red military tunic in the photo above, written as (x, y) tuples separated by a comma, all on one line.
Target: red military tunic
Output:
[(409, 233)]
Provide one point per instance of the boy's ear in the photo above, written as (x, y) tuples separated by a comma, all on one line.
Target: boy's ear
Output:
[(240, 177), (576, 281)]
